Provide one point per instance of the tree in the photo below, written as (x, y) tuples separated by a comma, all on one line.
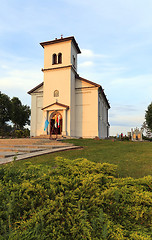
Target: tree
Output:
[(148, 116), (146, 130), (20, 113), (12, 110), (5, 110)]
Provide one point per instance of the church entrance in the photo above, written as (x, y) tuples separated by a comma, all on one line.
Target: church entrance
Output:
[(55, 124)]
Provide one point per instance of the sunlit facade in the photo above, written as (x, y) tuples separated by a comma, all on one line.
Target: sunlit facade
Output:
[(65, 103)]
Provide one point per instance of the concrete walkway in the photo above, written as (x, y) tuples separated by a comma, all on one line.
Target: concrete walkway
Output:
[(19, 149)]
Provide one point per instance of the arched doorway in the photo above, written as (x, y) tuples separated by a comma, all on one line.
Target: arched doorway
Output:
[(55, 123)]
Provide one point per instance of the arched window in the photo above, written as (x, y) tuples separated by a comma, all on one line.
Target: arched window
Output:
[(54, 59), (60, 58), (56, 93)]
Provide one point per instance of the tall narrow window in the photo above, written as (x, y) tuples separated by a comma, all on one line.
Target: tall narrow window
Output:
[(60, 58), (54, 59), (73, 61)]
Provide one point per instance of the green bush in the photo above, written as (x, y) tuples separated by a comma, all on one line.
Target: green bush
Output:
[(75, 199), (18, 133), (147, 138), (26, 132), (21, 133)]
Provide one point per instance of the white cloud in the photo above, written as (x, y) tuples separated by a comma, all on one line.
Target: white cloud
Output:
[(114, 130), (137, 89), (124, 117), (127, 120), (4, 67), (20, 79), (137, 80), (86, 64), (88, 53), (124, 128), (101, 65)]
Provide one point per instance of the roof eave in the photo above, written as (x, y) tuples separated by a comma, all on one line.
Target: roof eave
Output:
[(62, 40), (101, 89), (33, 89)]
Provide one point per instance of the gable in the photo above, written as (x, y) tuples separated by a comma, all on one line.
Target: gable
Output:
[(55, 106), (37, 89)]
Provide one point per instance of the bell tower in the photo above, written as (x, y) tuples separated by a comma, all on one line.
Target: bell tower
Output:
[(60, 69)]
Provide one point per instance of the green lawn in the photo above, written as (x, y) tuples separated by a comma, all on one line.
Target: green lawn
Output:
[(47, 198), (134, 159)]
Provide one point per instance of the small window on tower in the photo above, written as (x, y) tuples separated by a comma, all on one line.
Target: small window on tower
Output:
[(56, 93), (54, 59), (60, 58), (74, 61)]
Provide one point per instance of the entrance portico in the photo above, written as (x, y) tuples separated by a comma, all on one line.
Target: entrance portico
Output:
[(56, 115)]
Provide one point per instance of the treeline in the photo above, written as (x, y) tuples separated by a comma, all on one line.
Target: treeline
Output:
[(147, 124), (14, 116), (73, 200)]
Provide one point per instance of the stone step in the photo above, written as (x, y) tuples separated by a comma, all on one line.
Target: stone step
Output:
[(47, 137), (18, 142), (41, 137), (21, 149), (10, 154), (12, 149), (23, 146), (34, 154), (33, 146), (18, 151)]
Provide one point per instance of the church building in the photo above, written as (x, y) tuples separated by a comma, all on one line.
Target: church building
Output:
[(64, 103)]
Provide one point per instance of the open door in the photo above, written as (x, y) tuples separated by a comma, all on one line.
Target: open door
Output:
[(55, 124)]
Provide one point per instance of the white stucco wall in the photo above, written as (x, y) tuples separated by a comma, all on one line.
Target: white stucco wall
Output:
[(86, 111), (72, 105), (103, 117), (74, 54), (58, 79), (60, 47), (36, 112)]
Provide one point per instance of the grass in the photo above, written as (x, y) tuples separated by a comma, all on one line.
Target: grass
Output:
[(134, 159)]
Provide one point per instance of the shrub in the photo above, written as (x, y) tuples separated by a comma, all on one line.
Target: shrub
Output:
[(75, 199), (21, 133)]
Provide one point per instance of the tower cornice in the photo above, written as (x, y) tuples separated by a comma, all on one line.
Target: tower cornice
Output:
[(62, 40), (49, 69)]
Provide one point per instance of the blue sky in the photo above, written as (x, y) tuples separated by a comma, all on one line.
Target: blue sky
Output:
[(115, 38)]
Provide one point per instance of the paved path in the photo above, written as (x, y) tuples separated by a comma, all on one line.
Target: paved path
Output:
[(20, 149)]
